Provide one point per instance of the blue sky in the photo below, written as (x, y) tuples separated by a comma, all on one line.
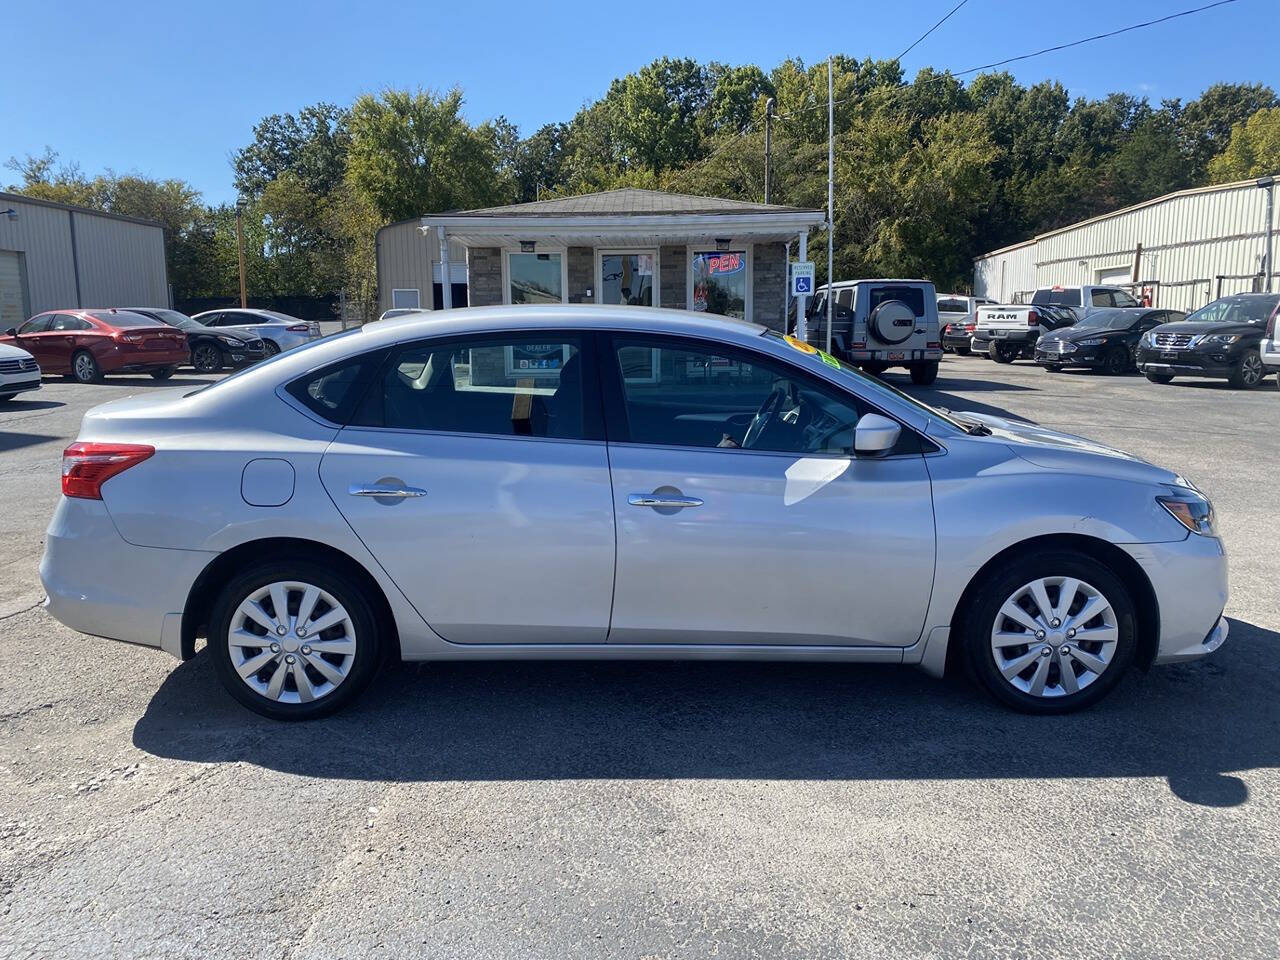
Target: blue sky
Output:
[(171, 89)]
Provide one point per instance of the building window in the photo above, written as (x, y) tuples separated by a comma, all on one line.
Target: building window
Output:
[(627, 278), (409, 299), (535, 278), (719, 282)]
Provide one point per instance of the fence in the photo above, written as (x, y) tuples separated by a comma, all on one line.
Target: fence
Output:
[(304, 308)]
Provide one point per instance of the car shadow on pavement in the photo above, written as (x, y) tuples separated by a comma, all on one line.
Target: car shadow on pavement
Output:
[(1193, 724), (16, 441), (19, 405), (959, 404)]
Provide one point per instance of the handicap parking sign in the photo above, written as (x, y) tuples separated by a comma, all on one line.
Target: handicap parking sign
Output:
[(802, 279)]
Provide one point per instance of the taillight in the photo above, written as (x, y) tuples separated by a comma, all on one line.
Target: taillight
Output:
[(970, 327), (1271, 323), (1033, 319), (87, 466), (299, 328)]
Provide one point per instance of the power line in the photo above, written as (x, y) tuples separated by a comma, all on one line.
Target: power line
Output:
[(931, 29), (1099, 36), (1027, 56), (714, 153)]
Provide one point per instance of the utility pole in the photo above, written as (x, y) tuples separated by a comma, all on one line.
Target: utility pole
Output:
[(768, 149), (831, 201), (1268, 265), (244, 299)]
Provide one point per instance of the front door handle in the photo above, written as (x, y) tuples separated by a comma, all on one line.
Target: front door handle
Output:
[(380, 490), (663, 500)]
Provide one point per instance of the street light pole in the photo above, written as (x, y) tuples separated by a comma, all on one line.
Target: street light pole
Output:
[(831, 202), (768, 149), (244, 299)]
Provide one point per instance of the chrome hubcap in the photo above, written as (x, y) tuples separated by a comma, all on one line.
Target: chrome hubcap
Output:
[(206, 357), (1251, 369), (267, 651), (1054, 636), (84, 367)]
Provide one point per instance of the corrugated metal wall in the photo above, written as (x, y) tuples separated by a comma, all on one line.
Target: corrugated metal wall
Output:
[(1004, 274), (1196, 235), (410, 260), (121, 262)]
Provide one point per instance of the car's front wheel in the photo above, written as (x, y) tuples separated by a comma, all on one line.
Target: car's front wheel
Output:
[(207, 358), (293, 640), (1050, 634), (1160, 378), (163, 374)]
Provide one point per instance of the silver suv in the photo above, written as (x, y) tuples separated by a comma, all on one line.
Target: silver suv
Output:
[(878, 324)]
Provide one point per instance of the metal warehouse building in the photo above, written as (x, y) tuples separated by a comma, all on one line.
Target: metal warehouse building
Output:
[(1181, 250), (409, 268), (53, 255)]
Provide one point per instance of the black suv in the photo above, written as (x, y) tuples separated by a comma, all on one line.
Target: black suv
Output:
[(1219, 340), (1104, 340)]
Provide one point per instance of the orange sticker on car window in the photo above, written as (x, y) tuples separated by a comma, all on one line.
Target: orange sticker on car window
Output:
[(800, 344)]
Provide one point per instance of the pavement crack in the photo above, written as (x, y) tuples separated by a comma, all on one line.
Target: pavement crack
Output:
[(27, 609)]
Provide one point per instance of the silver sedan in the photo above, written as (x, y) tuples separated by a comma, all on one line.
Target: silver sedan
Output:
[(594, 482)]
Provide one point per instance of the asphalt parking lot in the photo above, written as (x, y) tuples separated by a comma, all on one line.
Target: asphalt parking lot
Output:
[(654, 810)]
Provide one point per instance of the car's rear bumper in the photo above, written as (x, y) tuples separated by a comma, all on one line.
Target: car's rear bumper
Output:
[(1270, 352), (97, 583), (1189, 578), (134, 361)]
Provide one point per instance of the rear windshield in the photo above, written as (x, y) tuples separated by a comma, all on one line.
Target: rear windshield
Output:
[(1237, 310), (913, 297), (1061, 296), (172, 317), (122, 319), (951, 305)]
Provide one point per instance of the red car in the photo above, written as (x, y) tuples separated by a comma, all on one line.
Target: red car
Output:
[(89, 343)]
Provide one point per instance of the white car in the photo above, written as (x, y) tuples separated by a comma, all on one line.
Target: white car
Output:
[(19, 372), (615, 483), (1270, 345)]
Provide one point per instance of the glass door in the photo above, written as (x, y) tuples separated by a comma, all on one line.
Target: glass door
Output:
[(627, 278)]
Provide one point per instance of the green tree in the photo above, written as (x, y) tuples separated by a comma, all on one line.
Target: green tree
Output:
[(1252, 151), (1207, 121), (311, 145)]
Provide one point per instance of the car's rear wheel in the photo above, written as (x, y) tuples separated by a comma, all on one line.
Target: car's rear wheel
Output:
[(163, 374), (1160, 377), (84, 367), (1248, 373), (1050, 634), (1004, 352), (207, 358), (962, 351), (923, 374), (291, 640), (270, 347)]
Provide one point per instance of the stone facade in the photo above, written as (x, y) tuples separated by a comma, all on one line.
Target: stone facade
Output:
[(673, 270), (769, 285), (582, 274), (484, 274)]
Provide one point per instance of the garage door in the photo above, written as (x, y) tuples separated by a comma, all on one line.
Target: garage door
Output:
[(1115, 276), (13, 295)]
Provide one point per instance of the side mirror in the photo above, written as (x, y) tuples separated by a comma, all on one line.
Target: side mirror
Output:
[(11, 332), (875, 435)]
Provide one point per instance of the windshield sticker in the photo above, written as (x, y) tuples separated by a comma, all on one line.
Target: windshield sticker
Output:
[(800, 344), (828, 359)]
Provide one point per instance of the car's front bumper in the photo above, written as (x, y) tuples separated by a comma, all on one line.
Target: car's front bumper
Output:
[(1188, 363), (1081, 357), (19, 382), (97, 583), (1189, 578)]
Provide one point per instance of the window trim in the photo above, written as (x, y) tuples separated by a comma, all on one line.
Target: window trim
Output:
[(593, 425), (417, 296), (556, 248), (615, 415), (600, 253), (748, 305)]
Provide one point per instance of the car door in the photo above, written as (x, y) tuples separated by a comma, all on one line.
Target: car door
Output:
[(66, 334), (743, 516), (32, 337), (475, 470)]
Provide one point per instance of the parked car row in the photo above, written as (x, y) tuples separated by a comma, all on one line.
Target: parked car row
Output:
[(88, 344)]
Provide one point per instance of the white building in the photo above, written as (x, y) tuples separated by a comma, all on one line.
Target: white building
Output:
[(54, 256), (1182, 250)]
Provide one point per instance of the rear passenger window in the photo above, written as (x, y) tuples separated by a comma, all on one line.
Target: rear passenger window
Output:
[(334, 392), (845, 297), (526, 387)]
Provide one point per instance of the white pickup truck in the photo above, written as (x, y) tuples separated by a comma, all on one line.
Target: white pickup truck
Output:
[(1008, 331)]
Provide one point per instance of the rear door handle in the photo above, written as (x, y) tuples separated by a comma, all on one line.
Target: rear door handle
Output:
[(387, 490), (661, 500)]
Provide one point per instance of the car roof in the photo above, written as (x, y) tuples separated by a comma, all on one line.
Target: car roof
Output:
[(853, 283)]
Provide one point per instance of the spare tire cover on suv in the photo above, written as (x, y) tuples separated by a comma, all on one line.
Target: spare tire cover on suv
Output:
[(892, 322)]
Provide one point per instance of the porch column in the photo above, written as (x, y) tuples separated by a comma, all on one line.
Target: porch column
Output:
[(446, 280)]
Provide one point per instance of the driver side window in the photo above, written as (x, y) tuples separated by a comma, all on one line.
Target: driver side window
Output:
[(682, 394)]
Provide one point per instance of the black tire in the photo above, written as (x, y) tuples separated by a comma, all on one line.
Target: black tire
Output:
[(269, 347), (84, 367), (350, 595), (1115, 361), (979, 618), (1002, 352), (962, 351), (1248, 373), (208, 358), (1161, 378), (875, 369), (6, 397), (923, 374), (164, 374)]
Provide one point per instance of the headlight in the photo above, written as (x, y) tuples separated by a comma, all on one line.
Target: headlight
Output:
[(1191, 509), (1222, 338), (231, 341), (1149, 339), (1093, 342)]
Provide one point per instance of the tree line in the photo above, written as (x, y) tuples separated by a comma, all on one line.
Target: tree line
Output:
[(929, 171)]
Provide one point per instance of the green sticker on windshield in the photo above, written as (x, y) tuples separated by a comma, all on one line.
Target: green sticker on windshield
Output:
[(828, 359)]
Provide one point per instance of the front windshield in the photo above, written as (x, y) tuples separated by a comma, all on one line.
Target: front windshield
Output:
[(1236, 310), (867, 385), (1108, 320)]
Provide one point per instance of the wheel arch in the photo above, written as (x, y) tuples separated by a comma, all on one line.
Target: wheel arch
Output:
[(1124, 566), (220, 570)]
